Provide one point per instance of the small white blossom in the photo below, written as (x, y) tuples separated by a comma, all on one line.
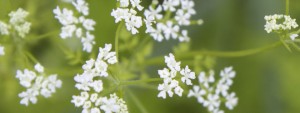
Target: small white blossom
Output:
[(187, 75), (227, 74), (4, 28), (124, 3), (81, 6), (79, 27), (212, 102), (198, 93), (37, 84), (172, 63), (205, 80), (170, 5), (109, 105), (167, 87), (231, 101), (273, 25), (293, 36)]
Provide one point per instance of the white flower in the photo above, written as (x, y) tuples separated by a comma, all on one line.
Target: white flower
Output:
[(136, 3), (212, 102), (17, 17), (182, 17), (198, 93), (222, 88), (88, 24), (26, 78), (170, 5), (178, 90), (109, 105), (124, 3), (88, 42), (133, 23), (78, 100), (171, 30), (205, 80), (95, 110), (81, 6), (171, 62), (98, 85), (293, 36), (227, 74), (119, 14), (157, 33), (4, 28), (272, 24), (188, 5), (184, 36), (153, 13), (23, 29), (167, 87), (28, 96), (231, 101), (187, 75), (39, 68), (83, 82), (105, 54), (2, 52), (67, 31), (65, 16)]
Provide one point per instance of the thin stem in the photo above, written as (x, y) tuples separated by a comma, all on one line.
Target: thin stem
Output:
[(136, 82), (287, 7), (137, 102), (243, 53), (117, 38), (48, 34), (31, 57)]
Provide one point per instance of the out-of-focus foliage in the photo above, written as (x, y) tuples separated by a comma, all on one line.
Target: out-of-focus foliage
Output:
[(266, 83)]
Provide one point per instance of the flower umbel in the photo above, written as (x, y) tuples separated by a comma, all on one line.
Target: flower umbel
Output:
[(37, 83)]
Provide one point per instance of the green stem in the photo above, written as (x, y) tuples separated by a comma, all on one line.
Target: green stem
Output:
[(31, 57), (243, 53), (137, 102), (48, 34), (117, 39), (287, 7), (135, 82)]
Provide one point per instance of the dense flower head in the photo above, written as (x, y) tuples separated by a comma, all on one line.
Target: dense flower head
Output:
[(164, 21), (37, 83), (170, 84), (128, 12), (91, 85), (17, 22), (79, 27), (273, 23), (210, 91)]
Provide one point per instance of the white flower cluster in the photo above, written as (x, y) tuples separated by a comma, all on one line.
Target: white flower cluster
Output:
[(169, 74), (17, 22), (79, 27), (2, 52), (177, 13), (273, 23), (37, 84), (90, 81), (127, 12), (210, 93)]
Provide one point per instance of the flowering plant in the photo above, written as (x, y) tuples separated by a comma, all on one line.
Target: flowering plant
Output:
[(150, 60)]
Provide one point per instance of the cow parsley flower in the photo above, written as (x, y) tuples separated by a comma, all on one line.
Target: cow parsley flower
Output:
[(90, 84), (128, 13), (37, 84), (210, 91), (170, 84), (4, 28), (273, 23), (159, 19), (293, 36), (2, 52), (79, 27), (17, 23)]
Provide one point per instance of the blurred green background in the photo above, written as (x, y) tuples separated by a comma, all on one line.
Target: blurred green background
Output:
[(267, 82)]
